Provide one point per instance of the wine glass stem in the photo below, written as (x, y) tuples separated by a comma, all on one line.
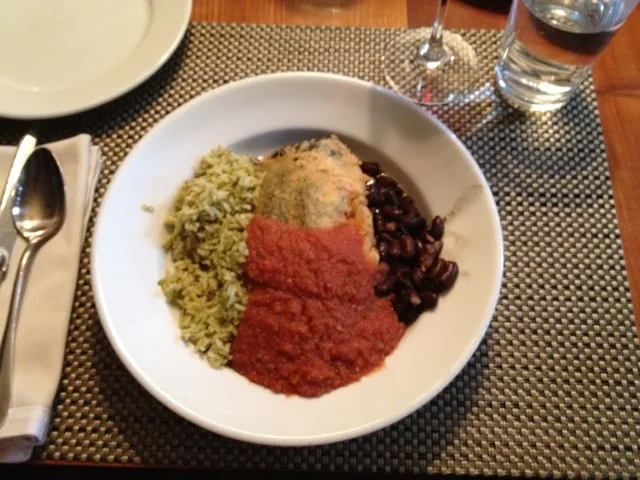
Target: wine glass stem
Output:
[(432, 51)]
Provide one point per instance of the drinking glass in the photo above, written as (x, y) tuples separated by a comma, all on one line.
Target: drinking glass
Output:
[(549, 47), (429, 65)]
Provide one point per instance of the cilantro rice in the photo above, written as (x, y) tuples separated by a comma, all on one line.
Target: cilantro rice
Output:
[(206, 244)]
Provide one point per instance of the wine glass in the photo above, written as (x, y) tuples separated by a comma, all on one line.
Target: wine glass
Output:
[(429, 65)]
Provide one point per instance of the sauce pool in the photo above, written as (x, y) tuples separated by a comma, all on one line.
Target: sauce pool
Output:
[(313, 322)]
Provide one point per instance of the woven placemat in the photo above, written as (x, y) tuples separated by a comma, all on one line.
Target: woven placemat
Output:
[(554, 387)]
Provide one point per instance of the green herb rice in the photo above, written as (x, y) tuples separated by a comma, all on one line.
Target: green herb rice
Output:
[(206, 244)]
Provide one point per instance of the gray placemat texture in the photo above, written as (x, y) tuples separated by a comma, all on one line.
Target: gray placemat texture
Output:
[(554, 388)]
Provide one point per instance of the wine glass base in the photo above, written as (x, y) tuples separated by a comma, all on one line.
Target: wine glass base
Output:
[(430, 82)]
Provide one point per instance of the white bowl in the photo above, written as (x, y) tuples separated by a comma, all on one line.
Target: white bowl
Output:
[(258, 115)]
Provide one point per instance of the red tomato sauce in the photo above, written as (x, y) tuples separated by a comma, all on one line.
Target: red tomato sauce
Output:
[(312, 323)]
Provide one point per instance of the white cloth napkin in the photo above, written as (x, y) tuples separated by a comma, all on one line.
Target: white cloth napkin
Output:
[(48, 298)]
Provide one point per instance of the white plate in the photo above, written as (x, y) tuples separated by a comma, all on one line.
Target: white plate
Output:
[(255, 116), (65, 56)]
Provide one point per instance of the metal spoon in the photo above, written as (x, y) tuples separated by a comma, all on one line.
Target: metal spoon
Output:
[(38, 213)]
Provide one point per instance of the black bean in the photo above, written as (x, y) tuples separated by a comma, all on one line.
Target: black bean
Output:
[(390, 212), (402, 294), (419, 245), (437, 245), (437, 228), (447, 278), (436, 269), (417, 277), (414, 298), (406, 202), (427, 257), (385, 237), (370, 168), (401, 308), (390, 227), (395, 249), (381, 272), (410, 315), (385, 287), (384, 267), (425, 237), (403, 277), (377, 217), (414, 223), (386, 181), (390, 196), (429, 300), (408, 247), (383, 250), (374, 197)]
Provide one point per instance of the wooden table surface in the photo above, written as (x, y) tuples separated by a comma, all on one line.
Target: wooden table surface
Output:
[(617, 76)]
